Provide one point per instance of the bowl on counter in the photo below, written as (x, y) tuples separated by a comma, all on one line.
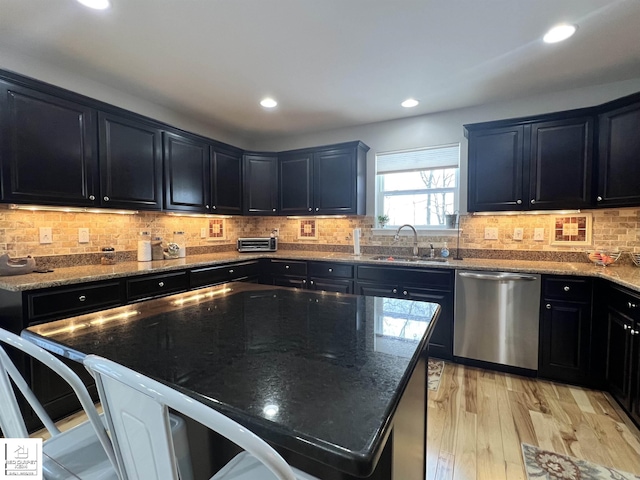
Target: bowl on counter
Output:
[(603, 257)]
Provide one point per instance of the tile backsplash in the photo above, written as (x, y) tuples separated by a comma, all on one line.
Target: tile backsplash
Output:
[(19, 232)]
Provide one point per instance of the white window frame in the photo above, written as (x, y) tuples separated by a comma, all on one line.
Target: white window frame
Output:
[(379, 193)]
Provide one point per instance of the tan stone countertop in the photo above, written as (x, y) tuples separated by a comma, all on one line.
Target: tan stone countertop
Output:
[(625, 275)]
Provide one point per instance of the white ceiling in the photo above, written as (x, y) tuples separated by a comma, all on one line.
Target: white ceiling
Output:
[(329, 63)]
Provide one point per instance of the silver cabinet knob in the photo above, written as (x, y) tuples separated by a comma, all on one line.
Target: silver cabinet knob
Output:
[(331, 270), (548, 306), (632, 305), (519, 202), (310, 209), (405, 293), (82, 298), (566, 288), (286, 266), (317, 208), (599, 198), (311, 282), (273, 209), (92, 197), (533, 201), (106, 199), (161, 284), (231, 271), (304, 281), (206, 206), (395, 290), (626, 327), (633, 332)]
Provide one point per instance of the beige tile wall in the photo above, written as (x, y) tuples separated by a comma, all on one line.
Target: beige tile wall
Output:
[(19, 235)]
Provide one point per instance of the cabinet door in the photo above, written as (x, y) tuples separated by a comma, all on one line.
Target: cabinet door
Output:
[(226, 182), (130, 163), (377, 290), (565, 341), (561, 164), (186, 165), (619, 157), (260, 174), (296, 184), (635, 374), (330, 285), (441, 342), (334, 182), (619, 356), (496, 169), (47, 147)]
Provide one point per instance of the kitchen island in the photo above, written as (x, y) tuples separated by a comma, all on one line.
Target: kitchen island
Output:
[(336, 382)]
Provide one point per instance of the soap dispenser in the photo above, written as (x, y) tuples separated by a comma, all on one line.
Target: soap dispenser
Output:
[(444, 251)]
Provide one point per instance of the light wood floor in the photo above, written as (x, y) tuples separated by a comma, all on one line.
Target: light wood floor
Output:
[(478, 419)]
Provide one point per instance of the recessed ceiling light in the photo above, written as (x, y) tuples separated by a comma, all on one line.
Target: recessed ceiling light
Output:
[(96, 4), (559, 33), (410, 102), (268, 102)]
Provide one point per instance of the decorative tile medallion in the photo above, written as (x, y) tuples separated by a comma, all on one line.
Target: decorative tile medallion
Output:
[(308, 230), (216, 229), (574, 229)]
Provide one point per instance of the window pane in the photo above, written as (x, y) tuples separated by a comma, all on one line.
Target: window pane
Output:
[(440, 178), (418, 209)]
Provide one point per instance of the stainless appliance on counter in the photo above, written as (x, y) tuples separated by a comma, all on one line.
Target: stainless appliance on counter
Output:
[(267, 244), (496, 317)]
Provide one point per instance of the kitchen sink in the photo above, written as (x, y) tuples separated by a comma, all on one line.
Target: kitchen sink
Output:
[(395, 258)]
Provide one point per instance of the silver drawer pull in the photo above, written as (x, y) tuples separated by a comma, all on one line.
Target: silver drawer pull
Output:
[(405, 293), (82, 298), (566, 288), (286, 266), (394, 291), (548, 306), (311, 282), (231, 271), (161, 284), (330, 270), (106, 199)]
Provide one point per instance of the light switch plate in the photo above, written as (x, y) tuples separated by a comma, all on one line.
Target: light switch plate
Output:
[(490, 233), (518, 233), (538, 234), (203, 232), (83, 235), (45, 235)]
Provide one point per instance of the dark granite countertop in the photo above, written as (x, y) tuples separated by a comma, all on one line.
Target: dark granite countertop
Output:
[(334, 366)]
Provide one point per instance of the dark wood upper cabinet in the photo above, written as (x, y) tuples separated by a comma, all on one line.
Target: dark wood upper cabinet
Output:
[(260, 175), (226, 182), (48, 148), (328, 180), (496, 169), (130, 163), (296, 183), (619, 156), (186, 173), (531, 165)]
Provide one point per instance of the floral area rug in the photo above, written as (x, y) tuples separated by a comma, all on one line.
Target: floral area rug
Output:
[(545, 465), (434, 372)]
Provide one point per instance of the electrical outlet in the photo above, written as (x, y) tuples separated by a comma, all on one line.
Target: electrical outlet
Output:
[(491, 233), (276, 231), (538, 234), (83, 235), (45, 235), (203, 232), (518, 233)]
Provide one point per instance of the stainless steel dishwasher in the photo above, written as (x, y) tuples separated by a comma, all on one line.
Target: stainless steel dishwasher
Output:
[(496, 317)]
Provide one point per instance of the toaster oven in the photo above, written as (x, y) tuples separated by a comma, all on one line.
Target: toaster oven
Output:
[(268, 244)]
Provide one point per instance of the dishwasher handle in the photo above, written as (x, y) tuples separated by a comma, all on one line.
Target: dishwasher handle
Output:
[(497, 276)]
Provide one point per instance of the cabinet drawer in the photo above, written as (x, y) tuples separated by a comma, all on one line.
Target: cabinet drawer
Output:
[(287, 267), (438, 279), (202, 277), (625, 302), (156, 285), (567, 288), (65, 302), (330, 270)]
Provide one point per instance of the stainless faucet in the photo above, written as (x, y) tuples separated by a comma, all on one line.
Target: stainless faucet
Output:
[(432, 251), (415, 237)]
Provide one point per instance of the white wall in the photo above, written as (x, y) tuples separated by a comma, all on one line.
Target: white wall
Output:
[(446, 127), (49, 73)]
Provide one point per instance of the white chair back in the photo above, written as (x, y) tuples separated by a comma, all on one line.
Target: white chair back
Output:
[(11, 421), (136, 408)]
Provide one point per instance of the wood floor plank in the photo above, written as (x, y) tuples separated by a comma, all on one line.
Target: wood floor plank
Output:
[(436, 420), (582, 400), (623, 451), (470, 390), (522, 418), (515, 471), (465, 465), (510, 441), (444, 470), (491, 462), (548, 433)]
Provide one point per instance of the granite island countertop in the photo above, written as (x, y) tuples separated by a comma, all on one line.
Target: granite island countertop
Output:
[(625, 275), (330, 371)]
